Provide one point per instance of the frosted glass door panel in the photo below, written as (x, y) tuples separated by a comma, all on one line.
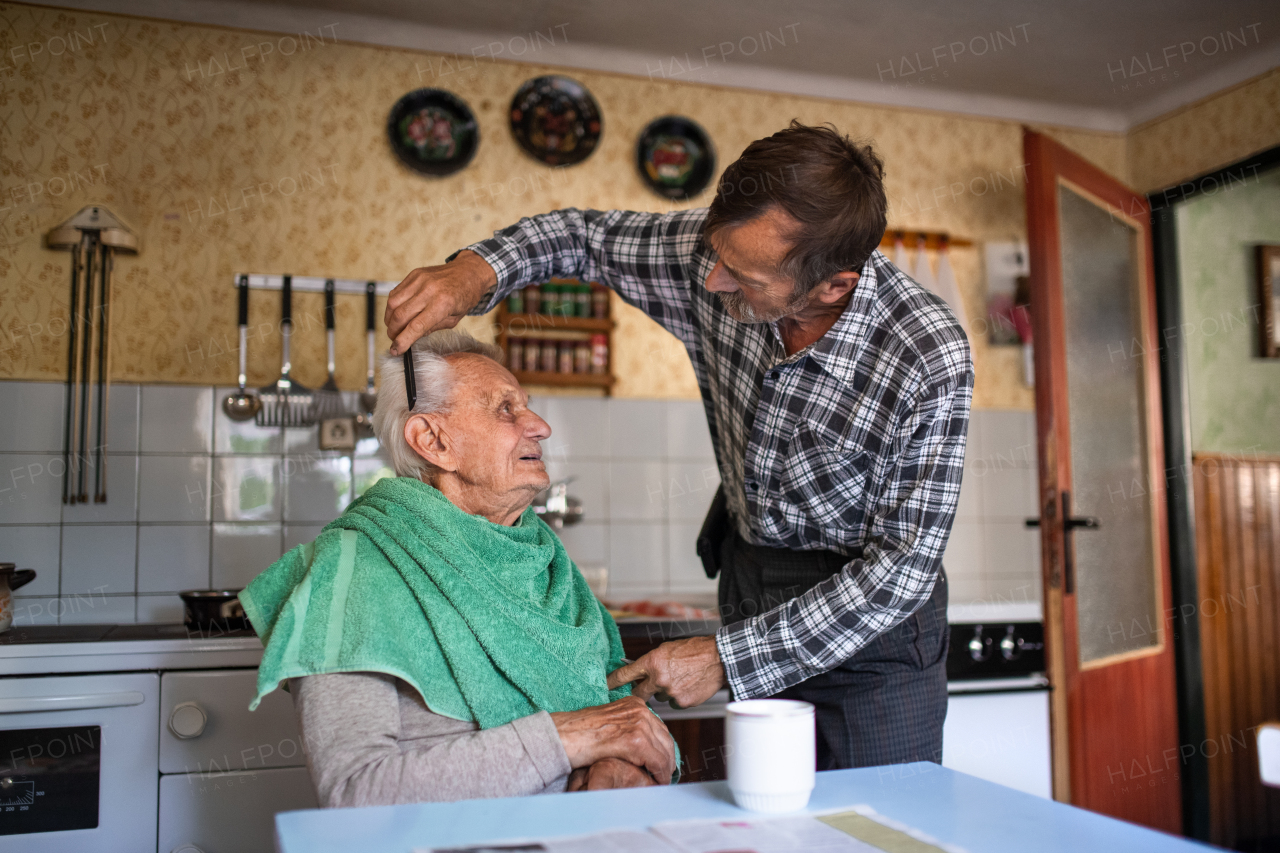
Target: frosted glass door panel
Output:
[(1115, 576)]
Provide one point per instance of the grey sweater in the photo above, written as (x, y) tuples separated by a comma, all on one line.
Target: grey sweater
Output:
[(370, 740)]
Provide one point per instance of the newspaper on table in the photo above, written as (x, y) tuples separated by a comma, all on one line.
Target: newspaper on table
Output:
[(856, 830)]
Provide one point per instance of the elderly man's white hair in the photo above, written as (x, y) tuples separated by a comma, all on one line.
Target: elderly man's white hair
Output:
[(435, 390)]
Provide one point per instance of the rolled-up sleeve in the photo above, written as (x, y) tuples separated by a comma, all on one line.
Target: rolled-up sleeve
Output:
[(357, 754)]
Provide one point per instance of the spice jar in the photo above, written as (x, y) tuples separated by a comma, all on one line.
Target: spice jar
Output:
[(599, 354), (599, 302), (530, 355), (515, 302), (515, 354), (547, 362), (582, 357), (565, 363), (532, 299), (582, 300)]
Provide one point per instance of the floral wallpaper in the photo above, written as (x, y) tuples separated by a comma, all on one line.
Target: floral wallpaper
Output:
[(236, 151), (1206, 135)]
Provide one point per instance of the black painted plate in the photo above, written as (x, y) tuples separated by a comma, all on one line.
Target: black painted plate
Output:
[(675, 157), (433, 132), (555, 120)]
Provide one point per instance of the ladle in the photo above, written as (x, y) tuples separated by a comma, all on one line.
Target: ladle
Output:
[(242, 406)]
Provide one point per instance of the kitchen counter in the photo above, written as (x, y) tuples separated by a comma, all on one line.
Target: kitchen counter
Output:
[(953, 807), (48, 649)]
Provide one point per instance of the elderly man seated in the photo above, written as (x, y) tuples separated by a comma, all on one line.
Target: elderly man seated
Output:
[(438, 642)]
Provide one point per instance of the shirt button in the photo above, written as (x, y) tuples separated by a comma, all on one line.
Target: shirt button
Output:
[(752, 485)]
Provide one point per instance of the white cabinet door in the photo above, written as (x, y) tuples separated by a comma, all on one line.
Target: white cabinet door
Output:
[(229, 812), (212, 710), (1000, 737)]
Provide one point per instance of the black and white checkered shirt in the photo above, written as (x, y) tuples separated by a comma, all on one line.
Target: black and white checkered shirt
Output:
[(855, 442)]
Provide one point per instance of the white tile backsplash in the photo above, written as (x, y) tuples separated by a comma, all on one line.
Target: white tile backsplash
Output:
[(637, 560), (97, 609), (579, 426), (30, 488), (35, 548), (176, 419), (242, 551), (687, 434), (218, 501), (638, 429), (246, 488), (173, 488), (122, 493), (33, 416), (316, 488), (99, 559), (172, 558), (637, 491), (690, 487), (122, 425)]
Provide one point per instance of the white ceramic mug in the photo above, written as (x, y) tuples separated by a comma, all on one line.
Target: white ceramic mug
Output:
[(770, 754)]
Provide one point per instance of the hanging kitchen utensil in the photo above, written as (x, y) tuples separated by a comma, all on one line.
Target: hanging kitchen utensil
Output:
[(369, 396), (285, 403), (93, 236), (328, 400), (241, 406)]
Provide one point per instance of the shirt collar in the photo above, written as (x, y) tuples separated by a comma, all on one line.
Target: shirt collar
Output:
[(838, 350)]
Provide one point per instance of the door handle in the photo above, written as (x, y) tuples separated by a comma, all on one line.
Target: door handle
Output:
[(35, 704), (1069, 523)]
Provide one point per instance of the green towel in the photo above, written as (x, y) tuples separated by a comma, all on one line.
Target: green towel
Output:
[(489, 623)]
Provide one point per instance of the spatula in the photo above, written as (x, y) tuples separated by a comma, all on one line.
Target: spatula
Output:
[(285, 403), (328, 400)]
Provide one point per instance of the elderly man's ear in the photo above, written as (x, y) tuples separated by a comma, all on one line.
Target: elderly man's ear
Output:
[(428, 439)]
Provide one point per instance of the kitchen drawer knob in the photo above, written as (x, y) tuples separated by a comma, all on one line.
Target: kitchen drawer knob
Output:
[(187, 720)]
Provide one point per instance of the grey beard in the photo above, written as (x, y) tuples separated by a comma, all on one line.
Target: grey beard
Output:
[(740, 310)]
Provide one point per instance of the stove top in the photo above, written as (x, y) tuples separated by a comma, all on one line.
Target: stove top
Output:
[(30, 634)]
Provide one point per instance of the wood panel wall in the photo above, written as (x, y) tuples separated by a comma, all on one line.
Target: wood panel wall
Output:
[(1237, 501)]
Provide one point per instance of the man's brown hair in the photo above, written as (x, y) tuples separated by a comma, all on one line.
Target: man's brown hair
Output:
[(831, 185)]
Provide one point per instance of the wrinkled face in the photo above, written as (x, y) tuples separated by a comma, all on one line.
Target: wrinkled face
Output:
[(746, 278), (492, 434)]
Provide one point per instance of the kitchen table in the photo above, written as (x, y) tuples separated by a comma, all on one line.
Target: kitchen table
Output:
[(952, 807)]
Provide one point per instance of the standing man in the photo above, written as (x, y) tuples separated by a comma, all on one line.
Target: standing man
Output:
[(837, 391)]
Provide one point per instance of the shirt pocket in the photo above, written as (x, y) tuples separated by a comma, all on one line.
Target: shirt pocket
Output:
[(825, 479)]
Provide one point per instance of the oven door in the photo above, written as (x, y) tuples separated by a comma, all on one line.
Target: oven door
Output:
[(78, 762)]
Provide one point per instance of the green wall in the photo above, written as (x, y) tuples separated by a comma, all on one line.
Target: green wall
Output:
[(1234, 393)]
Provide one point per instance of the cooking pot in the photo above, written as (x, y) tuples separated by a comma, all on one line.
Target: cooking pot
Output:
[(213, 609), (11, 578)]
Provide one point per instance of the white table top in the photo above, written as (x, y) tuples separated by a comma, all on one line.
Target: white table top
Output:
[(952, 807)]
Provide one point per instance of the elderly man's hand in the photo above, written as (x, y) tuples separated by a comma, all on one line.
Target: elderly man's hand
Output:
[(624, 729), (609, 773), (433, 298), (686, 672)]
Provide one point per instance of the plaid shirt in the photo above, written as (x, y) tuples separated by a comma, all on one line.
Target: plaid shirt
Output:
[(855, 442)]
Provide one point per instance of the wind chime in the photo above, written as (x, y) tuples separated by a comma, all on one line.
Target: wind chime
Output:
[(93, 236)]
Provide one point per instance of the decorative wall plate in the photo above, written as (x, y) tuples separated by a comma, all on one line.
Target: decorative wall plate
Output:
[(556, 120), (433, 132), (675, 157)]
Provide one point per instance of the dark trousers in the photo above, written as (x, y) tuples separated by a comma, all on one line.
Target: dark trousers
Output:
[(884, 705)]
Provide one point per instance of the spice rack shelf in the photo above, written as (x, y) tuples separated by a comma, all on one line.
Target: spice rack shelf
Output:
[(531, 324), (556, 329), (576, 380)]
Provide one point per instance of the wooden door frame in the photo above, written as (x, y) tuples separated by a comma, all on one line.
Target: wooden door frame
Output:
[(1180, 496), (1068, 736)]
